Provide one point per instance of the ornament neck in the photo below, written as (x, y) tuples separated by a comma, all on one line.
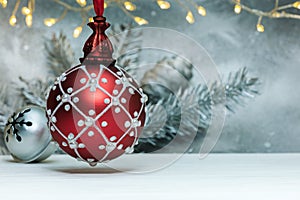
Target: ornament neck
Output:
[(98, 48)]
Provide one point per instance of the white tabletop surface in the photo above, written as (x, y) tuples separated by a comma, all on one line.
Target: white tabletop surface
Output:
[(219, 176)]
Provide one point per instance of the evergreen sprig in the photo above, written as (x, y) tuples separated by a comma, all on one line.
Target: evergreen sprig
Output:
[(33, 91), (127, 47), (183, 109), (60, 55)]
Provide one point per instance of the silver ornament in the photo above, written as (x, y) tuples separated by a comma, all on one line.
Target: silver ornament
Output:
[(27, 136)]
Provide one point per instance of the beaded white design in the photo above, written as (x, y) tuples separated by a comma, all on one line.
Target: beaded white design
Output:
[(69, 99)]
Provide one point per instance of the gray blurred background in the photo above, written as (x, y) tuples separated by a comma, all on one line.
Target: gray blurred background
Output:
[(269, 123)]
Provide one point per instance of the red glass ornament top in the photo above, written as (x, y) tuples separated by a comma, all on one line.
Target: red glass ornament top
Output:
[(98, 48)]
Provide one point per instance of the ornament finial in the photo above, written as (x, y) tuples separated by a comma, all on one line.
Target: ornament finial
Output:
[(98, 48)]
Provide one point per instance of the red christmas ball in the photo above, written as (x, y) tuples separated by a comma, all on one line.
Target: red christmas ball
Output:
[(96, 112)]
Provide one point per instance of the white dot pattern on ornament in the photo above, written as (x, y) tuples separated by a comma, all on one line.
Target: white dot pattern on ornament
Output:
[(127, 124), (49, 112), (92, 112), (91, 133), (106, 100), (71, 136), (123, 100), (131, 91), (72, 99), (120, 147), (53, 119), (104, 80), (101, 147), (117, 110), (83, 80), (115, 92), (75, 99), (131, 134), (104, 124), (113, 138), (67, 107), (80, 123), (70, 90)]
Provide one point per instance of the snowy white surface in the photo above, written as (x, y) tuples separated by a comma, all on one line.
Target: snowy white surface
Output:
[(217, 177)]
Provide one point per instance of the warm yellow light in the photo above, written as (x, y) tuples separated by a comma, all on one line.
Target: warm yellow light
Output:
[(3, 3), (163, 4), (28, 20), (260, 28), (26, 11), (276, 14), (237, 8), (296, 4), (91, 19), (140, 21), (13, 20), (105, 5), (202, 10), (50, 21), (190, 17), (82, 3), (129, 6), (77, 31)]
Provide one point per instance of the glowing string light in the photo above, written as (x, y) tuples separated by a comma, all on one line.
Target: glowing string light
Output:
[(296, 4), (201, 10), (129, 6), (26, 11), (3, 3), (237, 8), (13, 20), (190, 17), (77, 31), (164, 5), (82, 3), (28, 20), (50, 21), (140, 21), (259, 27)]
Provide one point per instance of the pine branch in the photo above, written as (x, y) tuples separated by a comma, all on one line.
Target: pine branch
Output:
[(179, 71), (60, 55), (33, 91), (127, 47), (194, 103), (240, 87)]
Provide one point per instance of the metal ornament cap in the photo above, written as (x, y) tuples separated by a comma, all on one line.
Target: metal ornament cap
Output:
[(98, 48), (27, 136)]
